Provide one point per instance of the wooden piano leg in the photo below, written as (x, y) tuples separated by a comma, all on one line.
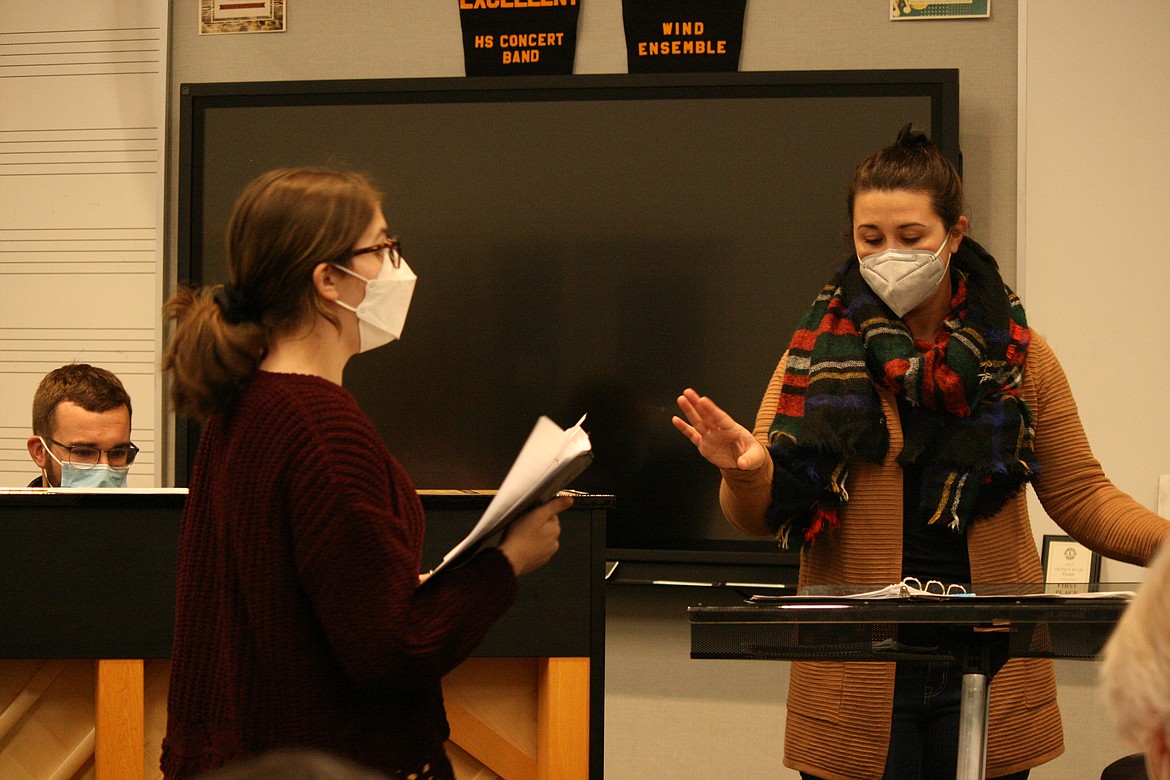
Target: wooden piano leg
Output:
[(562, 736), (120, 738)]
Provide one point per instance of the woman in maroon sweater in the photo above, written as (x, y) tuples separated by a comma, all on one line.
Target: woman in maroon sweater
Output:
[(300, 619)]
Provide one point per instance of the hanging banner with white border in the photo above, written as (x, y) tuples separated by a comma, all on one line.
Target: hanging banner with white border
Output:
[(664, 36), (518, 37)]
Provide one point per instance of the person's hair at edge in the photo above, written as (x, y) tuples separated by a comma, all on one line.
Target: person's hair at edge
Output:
[(914, 163), (1135, 667), (294, 764), (282, 226), (93, 389)]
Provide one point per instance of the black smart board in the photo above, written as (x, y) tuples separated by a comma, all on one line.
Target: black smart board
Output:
[(584, 244)]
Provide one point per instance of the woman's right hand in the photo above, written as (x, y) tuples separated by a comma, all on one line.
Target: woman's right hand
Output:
[(535, 537), (719, 438)]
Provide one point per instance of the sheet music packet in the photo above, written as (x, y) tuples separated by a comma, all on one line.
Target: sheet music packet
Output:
[(550, 459)]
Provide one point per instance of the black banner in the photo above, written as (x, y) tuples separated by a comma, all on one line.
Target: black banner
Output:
[(518, 37), (664, 36)]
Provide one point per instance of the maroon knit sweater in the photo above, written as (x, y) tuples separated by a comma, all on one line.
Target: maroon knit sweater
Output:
[(299, 618)]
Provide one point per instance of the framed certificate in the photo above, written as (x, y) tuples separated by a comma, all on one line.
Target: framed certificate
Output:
[(1069, 566), (220, 16)]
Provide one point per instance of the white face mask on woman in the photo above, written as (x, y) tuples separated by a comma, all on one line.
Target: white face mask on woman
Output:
[(904, 278), (382, 313)]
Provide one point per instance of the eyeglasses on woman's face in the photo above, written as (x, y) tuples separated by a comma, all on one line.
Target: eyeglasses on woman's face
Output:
[(390, 251)]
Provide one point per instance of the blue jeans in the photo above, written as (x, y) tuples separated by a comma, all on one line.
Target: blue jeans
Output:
[(924, 733)]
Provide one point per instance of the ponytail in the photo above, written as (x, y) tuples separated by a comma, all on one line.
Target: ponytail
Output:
[(209, 358)]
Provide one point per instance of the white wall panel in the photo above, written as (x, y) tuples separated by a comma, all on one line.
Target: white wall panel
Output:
[(81, 205), (1095, 204)]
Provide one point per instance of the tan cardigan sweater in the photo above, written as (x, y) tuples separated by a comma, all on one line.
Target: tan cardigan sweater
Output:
[(838, 722)]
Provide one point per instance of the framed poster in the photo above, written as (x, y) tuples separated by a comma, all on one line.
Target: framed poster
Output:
[(1069, 566), (241, 16), (939, 9)]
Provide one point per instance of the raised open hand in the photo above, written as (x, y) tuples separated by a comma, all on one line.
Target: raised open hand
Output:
[(719, 438)]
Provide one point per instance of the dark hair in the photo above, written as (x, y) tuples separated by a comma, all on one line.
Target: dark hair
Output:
[(93, 389), (912, 162), (283, 225)]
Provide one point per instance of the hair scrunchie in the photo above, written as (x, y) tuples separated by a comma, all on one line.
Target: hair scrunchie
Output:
[(236, 306)]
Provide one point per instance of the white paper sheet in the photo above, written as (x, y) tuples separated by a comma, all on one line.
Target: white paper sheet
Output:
[(550, 459)]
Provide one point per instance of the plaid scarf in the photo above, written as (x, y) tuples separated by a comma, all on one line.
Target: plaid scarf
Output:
[(970, 433)]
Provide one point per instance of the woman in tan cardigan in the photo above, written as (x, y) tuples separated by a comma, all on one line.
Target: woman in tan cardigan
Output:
[(895, 439)]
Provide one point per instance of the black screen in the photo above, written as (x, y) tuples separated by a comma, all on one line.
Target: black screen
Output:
[(584, 245)]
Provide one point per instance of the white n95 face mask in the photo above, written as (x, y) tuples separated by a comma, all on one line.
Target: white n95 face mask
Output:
[(382, 313), (904, 278)]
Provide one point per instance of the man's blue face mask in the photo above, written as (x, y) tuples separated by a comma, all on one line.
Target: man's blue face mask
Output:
[(98, 475)]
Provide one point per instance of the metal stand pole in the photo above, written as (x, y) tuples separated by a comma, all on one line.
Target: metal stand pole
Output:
[(973, 713)]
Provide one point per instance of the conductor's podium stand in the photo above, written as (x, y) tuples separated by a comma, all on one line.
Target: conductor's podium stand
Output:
[(980, 632), (87, 590)]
